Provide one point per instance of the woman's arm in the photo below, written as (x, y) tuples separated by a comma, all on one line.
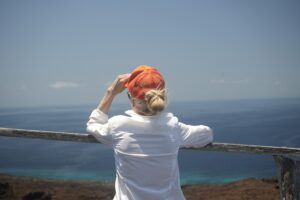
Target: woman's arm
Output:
[(116, 87), (98, 121), (195, 136)]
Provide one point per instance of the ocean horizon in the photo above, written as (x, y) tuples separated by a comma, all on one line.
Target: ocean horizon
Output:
[(261, 122)]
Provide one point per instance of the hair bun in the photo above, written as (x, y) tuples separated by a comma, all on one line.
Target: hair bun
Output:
[(155, 100)]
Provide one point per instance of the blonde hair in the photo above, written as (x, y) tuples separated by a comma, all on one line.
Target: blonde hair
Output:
[(155, 100)]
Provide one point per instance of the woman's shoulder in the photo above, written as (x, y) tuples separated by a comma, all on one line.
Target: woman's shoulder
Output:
[(131, 117), (118, 118)]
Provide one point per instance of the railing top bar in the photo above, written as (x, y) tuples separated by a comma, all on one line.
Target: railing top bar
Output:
[(83, 137)]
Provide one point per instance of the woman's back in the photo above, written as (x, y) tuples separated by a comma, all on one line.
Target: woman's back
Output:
[(145, 135), (146, 149)]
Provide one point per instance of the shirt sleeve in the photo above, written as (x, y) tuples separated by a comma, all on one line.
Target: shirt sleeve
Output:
[(195, 136), (99, 127)]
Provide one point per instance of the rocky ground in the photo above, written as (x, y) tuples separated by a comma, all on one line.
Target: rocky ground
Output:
[(25, 188)]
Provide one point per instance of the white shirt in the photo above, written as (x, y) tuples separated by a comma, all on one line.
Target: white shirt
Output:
[(145, 150)]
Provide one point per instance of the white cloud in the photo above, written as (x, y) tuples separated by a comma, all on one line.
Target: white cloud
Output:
[(64, 85)]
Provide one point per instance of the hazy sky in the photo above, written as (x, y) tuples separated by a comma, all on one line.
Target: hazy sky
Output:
[(67, 52)]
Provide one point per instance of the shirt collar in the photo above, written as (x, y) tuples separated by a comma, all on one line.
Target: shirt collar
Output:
[(144, 117)]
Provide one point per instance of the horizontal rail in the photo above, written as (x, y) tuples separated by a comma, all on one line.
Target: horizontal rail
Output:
[(84, 137)]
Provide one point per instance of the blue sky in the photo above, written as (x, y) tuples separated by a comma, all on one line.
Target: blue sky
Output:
[(67, 52)]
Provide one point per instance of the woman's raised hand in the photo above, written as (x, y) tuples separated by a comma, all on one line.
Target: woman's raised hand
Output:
[(118, 85)]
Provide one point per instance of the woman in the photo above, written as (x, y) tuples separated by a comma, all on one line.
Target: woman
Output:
[(146, 140)]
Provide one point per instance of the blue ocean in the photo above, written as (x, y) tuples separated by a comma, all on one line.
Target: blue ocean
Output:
[(260, 122)]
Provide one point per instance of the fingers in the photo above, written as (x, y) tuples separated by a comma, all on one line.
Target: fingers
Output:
[(119, 83), (123, 78)]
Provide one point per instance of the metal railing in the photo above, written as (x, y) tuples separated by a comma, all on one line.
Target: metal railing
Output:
[(287, 158)]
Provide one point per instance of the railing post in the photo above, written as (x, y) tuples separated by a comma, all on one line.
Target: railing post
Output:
[(288, 172)]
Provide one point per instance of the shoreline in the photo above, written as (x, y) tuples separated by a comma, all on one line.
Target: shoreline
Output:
[(28, 188)]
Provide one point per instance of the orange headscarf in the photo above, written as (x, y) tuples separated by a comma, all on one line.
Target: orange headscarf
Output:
[(143, 79)]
